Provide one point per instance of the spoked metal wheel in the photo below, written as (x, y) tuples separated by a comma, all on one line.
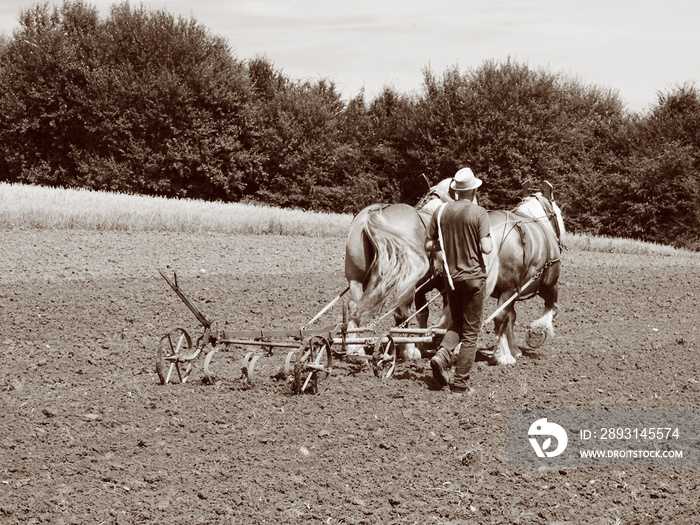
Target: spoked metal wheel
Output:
[(536, 337), (173, 362), (384, 358), (313, 364)]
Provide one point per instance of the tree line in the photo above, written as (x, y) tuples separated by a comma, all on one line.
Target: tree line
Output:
[(144, 102)]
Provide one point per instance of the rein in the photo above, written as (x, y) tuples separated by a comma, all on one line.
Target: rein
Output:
[(539, 273), (390, 311)]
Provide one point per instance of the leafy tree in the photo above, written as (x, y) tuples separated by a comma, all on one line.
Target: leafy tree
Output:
[(390, 144), (676, 117), (141, 102), (186, 100), (310, 160), (44, 72), (512, 124), (148, 103), (496, 120), (591, 153), (658, 198)]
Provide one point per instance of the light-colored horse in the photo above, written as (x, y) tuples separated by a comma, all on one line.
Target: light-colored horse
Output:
[(385, 260), (528, 245)]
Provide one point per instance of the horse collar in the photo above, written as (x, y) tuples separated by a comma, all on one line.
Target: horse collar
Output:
[(551, 215)]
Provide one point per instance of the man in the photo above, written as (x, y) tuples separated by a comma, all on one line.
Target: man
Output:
[(461, 230)]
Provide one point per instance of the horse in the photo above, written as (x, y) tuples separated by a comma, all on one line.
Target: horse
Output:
[(385, 258), (525, 262), (386, 263)]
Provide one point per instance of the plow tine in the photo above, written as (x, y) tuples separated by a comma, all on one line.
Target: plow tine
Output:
[(387, 355), (391, 370), (306, 383)]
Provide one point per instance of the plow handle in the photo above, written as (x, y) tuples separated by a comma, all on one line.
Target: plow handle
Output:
[(173, 284)]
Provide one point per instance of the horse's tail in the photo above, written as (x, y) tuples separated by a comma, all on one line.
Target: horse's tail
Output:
[(399, 263)]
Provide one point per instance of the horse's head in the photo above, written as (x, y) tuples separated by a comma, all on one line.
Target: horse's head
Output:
[(436, 195), (541, 206)]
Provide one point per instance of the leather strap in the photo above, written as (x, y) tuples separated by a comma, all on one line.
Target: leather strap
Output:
[(442, 248)]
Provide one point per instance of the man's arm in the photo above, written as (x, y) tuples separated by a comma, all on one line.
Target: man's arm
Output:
[(486, 244), (431, 242)]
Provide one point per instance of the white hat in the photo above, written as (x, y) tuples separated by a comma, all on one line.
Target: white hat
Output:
[(464, 180)]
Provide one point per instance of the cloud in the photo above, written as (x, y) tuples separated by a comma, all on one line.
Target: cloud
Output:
[(637, 47)]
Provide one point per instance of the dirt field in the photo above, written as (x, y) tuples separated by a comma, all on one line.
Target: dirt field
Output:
[(89, 435)]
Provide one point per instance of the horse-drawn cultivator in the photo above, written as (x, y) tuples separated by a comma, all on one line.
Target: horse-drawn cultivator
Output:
[(308, 364)]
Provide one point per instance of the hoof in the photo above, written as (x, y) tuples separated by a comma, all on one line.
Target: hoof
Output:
[(356, 354), (536, 336), (410, 352), (504, 360)]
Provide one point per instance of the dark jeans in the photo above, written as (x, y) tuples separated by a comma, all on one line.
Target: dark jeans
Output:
[(466, 306)]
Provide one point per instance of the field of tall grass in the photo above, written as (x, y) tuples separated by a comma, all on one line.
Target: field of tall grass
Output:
[(26, 206), (37, 207)]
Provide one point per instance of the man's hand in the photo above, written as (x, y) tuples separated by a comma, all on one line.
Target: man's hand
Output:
[(432, 246)]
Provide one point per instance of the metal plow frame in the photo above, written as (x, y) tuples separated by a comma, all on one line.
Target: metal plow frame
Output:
[(308, 365)]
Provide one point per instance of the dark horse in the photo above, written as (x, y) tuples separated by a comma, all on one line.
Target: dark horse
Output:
[(385, 262)]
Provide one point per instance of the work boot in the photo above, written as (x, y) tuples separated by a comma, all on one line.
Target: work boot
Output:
[(460, 392), (440, 363)]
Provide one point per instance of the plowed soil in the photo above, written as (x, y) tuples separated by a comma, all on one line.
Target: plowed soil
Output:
[(89, 435)]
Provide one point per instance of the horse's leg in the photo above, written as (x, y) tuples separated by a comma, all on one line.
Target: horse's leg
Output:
[(353, 300), (423, 311), (446, 318), (354, 320), (405, 350), (503, 324), (429, 349), (422, 319), (510, 335), (545, 325)]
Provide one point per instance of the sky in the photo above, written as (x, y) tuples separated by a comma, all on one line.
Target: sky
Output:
[(636, 48)]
